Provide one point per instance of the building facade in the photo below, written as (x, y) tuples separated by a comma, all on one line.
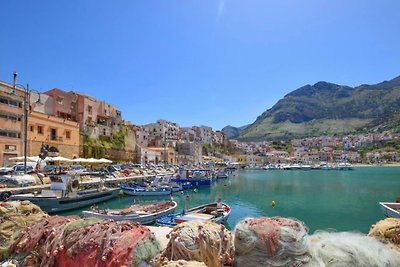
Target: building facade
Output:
[(11, 122), (61, 135)]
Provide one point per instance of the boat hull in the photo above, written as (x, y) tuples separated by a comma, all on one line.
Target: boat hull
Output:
[(143, 192), (55, 204), (390, 209), (195, 214), (193, 182), (143, 219)]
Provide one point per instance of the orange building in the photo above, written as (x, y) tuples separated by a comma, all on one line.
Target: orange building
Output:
[(11, 118), (62, 135)]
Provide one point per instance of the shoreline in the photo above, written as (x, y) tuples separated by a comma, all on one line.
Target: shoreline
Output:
[(395, 164)]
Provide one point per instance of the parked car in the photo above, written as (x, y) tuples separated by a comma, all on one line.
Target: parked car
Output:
[(7, 169), (21, 169), (78, 168), (49, 168), (18, 168)]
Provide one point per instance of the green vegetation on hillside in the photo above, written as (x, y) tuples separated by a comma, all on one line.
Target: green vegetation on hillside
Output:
[(328, 109)]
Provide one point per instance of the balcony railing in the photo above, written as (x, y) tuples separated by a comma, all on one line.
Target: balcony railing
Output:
[(56, 138)]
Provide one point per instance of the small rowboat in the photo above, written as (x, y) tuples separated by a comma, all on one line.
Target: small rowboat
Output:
[(203, 212), (390, 209), (144, 214)]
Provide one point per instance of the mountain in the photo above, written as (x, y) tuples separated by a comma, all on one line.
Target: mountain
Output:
[(233, 132), (326, 109)]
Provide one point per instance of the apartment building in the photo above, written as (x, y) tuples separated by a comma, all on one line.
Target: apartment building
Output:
[(204, 133), (219, 138), (11, 122), (189, 152), (97, 118), (163, 129), (187, 134), (61, 135)]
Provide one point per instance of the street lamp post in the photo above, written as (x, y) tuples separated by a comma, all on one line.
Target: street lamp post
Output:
[(26, 104)]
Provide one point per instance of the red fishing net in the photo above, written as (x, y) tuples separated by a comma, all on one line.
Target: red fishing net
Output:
[(71, 241)]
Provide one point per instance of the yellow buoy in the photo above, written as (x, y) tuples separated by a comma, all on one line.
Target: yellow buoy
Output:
[(273, 204)]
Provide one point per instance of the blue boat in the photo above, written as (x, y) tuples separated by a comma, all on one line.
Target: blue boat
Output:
[(196, 177)]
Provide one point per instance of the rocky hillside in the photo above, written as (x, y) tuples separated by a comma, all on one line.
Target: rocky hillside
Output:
[(232, 132), (327, 108)]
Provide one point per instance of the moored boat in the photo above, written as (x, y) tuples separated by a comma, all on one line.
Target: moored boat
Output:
[(204, 212), (390, 209), (221, 176), (64, 195), (140, 191), (144, 214)]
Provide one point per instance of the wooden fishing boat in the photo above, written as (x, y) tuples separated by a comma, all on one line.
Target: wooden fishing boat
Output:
[(149, 191), (390, 209), (144, 214), (203, 212), (64, 194)]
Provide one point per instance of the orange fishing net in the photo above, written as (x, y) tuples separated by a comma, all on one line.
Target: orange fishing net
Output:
[(387, 231)]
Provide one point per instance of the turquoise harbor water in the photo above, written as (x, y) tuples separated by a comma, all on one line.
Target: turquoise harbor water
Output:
[(341, 200)]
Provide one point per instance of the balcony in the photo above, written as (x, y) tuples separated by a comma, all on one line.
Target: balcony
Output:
[(56, 138)]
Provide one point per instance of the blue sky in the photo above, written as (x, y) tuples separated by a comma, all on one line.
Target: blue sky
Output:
[(203, 62)]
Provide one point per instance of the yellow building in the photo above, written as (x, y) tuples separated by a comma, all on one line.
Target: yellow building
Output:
[(168, 154), (61, 135), (241, 159)]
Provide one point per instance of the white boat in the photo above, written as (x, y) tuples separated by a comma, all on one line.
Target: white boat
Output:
[(203, 212), (64, 195), (149, 191), (144, 214), (344, 166), (390, 209)]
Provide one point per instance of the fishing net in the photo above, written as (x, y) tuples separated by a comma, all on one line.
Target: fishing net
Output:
[(202, 241), (183, 263), (9, 263), (350, 249), (271, 242), (15, 215), (71, 241), (387, 231)]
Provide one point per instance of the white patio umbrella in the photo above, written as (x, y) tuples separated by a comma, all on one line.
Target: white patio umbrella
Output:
[(92, 160), (58, 158), (103, 160), (79, 160), (29, 158)]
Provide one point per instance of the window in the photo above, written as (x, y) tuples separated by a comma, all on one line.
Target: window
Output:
[(90, 109), (53, 134), (31, 128), (10, 147), (40, 129), (11, 102), (68, 134), (10, 134), (60, 100)]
